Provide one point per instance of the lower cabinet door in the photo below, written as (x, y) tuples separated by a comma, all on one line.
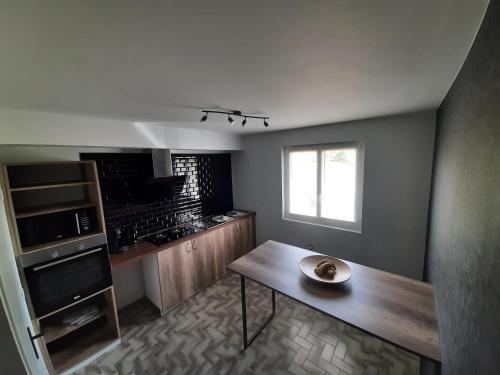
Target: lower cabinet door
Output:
[(205, 262), (246, 234), (227, 251), (175, 266)]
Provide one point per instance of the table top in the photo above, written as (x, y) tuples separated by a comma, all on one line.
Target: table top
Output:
[(396, 309)]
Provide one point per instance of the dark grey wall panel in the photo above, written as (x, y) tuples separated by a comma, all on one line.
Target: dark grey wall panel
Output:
[(463, 259), (397, 183)]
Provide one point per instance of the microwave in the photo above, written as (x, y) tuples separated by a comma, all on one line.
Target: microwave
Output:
[(37, 230), (66, 275)]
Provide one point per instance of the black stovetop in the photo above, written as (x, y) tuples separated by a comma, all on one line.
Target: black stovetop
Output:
[(168, 235)]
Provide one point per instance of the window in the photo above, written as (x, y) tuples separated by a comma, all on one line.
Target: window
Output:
[(323, 184)]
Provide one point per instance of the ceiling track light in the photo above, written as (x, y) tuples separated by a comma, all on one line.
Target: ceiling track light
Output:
[(204, 118), (231, 114)]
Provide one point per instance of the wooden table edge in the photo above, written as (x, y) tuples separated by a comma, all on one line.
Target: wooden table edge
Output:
[(424, 356)]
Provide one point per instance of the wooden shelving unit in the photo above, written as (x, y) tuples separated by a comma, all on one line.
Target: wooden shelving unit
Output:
[(52, 208), (68, 345), (48, 188), (54, 332), (81, 349), (53, 186), (37, 189)]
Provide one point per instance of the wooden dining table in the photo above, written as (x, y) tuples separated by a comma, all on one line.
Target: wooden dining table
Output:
[(396, 309)]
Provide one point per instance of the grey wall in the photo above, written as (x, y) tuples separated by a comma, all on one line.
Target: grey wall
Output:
[(463, 260), (397, 176)]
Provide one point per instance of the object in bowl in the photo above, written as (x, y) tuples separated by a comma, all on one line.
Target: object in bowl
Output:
[(309, 263), (325, 268)]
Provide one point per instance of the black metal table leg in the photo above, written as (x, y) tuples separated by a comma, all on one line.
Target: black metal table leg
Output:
[(246, 341)]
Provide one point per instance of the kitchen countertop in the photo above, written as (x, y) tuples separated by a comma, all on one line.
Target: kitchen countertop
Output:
[(144, 248)]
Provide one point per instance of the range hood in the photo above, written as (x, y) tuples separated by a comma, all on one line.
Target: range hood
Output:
[(162, 171)]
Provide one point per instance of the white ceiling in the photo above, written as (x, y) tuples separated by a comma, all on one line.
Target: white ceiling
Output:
[(302, 62)]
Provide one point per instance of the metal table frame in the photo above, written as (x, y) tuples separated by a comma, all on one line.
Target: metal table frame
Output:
[(246, 341)]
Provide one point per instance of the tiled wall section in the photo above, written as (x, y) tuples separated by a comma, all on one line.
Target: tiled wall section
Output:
[(126, 200)]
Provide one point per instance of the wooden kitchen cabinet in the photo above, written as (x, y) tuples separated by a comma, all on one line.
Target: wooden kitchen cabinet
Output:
[(227, 237), (205, 248), (245, 229), (235, 240), (168, 276), (174, 274)]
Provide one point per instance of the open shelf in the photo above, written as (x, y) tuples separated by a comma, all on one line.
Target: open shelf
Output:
[(52, 208), (53, 186), (54, 332), (106, 290), (68, 345), (81, 348), (47, 175)]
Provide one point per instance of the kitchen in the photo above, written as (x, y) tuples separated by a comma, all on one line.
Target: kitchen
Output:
[(319, 198), (155, 205)]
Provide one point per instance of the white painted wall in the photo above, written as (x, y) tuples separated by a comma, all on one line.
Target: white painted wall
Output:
[(129, 284), (397, 177), (42, 128)]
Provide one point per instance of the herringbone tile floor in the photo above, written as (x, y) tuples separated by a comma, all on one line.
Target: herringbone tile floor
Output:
[(203, 336)]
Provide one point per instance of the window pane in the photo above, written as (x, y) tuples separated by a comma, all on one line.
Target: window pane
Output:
[(338, 189), (303, 181)]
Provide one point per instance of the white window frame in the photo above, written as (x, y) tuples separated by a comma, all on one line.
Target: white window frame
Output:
[(354, 226)]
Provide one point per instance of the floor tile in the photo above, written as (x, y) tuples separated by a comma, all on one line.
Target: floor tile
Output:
[(203, 336)]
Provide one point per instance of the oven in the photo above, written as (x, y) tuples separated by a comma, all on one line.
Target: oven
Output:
[(66, 275)]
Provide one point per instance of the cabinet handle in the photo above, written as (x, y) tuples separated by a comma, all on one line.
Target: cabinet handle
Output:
[(78, 223), (33, 338)]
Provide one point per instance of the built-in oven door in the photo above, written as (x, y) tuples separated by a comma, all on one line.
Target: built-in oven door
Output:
[(62, 281)]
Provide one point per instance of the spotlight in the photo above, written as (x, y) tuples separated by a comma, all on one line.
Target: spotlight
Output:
[(230, 119), (266, 124), (204, 118), (243, 123)]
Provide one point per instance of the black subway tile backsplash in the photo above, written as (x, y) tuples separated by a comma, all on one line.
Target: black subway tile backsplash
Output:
[(207, 189)]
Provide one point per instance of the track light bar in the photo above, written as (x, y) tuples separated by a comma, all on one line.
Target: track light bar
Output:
[(236, 114)]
